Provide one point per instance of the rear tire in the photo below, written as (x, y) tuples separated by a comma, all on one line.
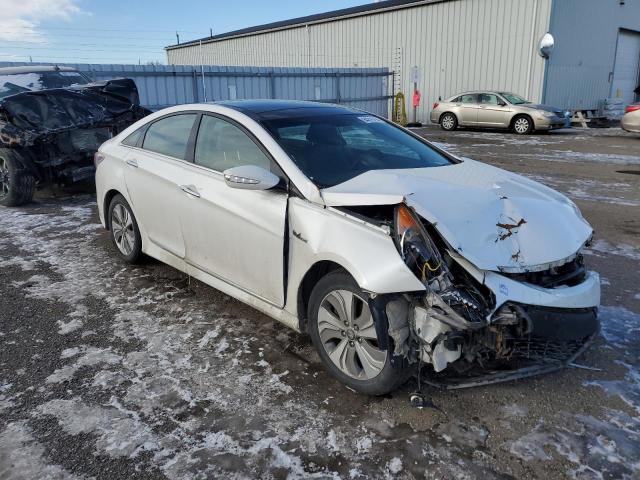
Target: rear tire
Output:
[(124, 230), (17, 184), (522, 125), (448, 122), (346, 340)]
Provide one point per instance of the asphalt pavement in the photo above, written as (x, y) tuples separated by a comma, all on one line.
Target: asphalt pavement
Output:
[(112, 371)]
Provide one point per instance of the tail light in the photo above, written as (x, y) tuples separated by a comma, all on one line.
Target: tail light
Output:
[(97, 159), (632, 108), (435, 105)]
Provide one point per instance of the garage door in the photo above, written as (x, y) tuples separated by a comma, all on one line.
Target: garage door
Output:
[(625, 74)]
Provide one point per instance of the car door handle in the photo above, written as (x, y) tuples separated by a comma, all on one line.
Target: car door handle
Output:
[(191, 190), (132, 162)]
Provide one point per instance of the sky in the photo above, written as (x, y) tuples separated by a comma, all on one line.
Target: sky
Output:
[(131, 31)]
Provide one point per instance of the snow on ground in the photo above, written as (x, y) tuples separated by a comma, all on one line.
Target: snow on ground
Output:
[(190, 387)]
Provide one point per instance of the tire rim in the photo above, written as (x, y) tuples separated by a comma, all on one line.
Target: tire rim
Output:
[(521, 125), (122, 226), (447, 122), (4, 178), (348, 335)]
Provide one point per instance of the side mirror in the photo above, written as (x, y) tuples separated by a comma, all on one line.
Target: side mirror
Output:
[(501, 103), (250, 177)]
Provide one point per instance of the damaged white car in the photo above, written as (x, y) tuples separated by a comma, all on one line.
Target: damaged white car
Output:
[(393, 255)]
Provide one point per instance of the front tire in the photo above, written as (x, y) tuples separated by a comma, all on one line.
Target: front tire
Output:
[(17, 184), (343, 332), (522, 125), (448, 122), (124, 230)]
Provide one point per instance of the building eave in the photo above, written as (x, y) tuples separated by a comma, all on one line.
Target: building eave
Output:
[(332, 16)]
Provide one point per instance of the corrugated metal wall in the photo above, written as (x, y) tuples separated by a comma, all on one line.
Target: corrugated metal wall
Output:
[(458, 45), (161, 86), (581, 65)]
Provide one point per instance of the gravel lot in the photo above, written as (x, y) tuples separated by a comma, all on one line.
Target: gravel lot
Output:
[(110, 371)]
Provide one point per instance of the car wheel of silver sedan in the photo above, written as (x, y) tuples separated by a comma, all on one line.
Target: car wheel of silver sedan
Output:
[(448, 122), (343, 331), (124, 230), (522, 125)]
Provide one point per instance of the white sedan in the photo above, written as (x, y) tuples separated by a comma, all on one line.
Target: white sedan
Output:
[(389, 252)]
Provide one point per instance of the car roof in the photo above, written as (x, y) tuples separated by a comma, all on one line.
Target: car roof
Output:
[(272, 109), (475, 92), (34, 69)]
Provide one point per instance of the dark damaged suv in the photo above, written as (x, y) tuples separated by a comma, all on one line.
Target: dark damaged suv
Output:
[(52, 121)]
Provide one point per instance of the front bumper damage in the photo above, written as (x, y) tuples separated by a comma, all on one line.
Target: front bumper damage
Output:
[(474, 327)]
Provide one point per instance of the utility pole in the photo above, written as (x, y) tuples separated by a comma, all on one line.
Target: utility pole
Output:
[(204, 87), (211, 32)]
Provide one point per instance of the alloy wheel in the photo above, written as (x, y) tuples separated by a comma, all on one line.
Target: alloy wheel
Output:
[(447, 122), (4, 178), (348, 335), (521, 125), (123, 232)]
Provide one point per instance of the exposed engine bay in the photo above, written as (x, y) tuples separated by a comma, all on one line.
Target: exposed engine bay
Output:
[(456, 327)]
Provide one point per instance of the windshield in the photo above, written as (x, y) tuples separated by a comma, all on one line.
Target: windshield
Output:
[(331, 149), (25, 82), (514, 99)]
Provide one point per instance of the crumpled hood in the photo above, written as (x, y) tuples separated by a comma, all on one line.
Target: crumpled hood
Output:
[(497, 220)]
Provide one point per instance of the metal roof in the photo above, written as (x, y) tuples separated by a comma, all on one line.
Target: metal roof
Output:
[(366, 9)]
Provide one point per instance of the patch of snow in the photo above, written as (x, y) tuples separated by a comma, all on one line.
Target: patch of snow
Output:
[(623, 250), (23, 457)]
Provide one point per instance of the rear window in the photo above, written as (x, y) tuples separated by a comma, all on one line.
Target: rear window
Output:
[(26, 82), (170, 136)]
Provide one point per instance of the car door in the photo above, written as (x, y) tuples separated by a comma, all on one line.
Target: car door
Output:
[(154, 174), (467, 107), (234, 234), (492, 111)]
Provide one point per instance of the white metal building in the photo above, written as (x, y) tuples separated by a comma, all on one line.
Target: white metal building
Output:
[(457, 45)]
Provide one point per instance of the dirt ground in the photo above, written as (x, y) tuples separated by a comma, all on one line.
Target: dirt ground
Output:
[(111, 371)]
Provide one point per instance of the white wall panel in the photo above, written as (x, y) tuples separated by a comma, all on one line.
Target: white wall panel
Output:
[(459, 45)]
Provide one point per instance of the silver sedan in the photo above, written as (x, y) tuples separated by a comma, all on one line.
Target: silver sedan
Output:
[(489, 109)]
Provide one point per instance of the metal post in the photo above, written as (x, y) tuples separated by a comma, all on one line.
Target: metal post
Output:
[(204, 87), (393, 95), (338, 87), (196, 96), (415, 108), (272, 85)]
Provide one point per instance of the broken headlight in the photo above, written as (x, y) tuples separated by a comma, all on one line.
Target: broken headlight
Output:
[(415, 245)]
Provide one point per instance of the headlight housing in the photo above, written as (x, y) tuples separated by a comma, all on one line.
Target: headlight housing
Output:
[(415, 245)]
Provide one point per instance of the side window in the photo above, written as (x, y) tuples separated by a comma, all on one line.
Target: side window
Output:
[(468, 99), (132, 139), (170, 135), (221, 145), (488, 99)]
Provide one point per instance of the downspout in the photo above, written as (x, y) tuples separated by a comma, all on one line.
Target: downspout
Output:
[(533, 47), (308, 46), (546, 60)]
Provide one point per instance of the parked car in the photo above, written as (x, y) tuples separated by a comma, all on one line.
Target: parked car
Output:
[(388, 251), (631, 118), (488, 109), (52, 121)]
